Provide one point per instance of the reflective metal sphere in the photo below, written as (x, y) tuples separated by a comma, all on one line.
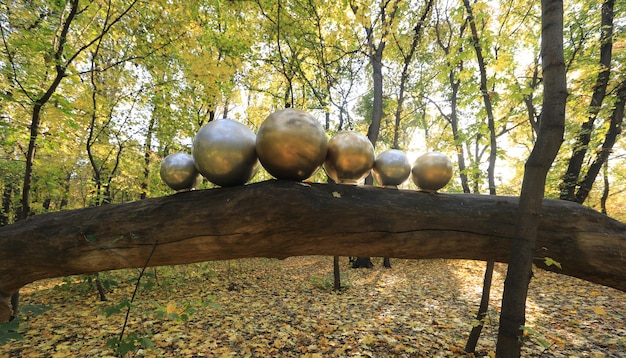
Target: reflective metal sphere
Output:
[(291, 144), (350, 157), (391, 167), (432, 171), (224, 152), (179, 173)]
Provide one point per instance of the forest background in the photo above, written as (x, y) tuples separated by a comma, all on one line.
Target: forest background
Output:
[(93, 94)]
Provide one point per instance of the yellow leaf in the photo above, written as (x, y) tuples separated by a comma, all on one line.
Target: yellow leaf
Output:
[(369, 340), (336, 194), (171, 307), (492, 354), (599, 310)]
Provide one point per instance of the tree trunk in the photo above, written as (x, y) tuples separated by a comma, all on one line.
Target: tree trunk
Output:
[(404, 76), (336, 274), (35, 122), (493, 147), (486, 97), (223, 223), (570, 179), (362, 262), (472, 340), (146, 157), (615, 129), (605, 188), (7, 196), (530, 216)]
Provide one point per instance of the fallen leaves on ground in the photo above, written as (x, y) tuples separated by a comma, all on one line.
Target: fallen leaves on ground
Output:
[(265, 308)]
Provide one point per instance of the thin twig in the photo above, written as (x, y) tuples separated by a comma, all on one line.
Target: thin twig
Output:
[(132, 299)]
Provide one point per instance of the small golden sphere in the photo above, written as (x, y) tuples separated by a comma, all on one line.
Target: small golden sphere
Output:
[(224, 152), (432, 171), (350, 157), (178, 171), (391, 167), (291, 144)]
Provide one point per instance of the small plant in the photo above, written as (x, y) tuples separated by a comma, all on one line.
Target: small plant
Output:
[(130, 343), (534, 335), (10, 330), (174, 312)]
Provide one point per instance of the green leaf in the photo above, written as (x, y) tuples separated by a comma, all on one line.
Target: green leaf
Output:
[(8, 331), (34, 309), (549, 262), (537, 336), (146, 342), (117, 308)]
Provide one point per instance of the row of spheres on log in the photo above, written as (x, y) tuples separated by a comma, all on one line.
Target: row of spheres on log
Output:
[(292, 145)]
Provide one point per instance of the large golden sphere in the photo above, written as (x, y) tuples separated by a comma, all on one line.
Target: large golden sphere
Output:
[(350, 157), (432, 171), (291, 144), (179, 172), (391, 167), (224, 152)]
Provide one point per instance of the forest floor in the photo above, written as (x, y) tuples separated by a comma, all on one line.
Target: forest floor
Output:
[(272, 308)]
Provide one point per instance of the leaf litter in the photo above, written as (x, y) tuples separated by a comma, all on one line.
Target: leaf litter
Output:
[(267, 307)]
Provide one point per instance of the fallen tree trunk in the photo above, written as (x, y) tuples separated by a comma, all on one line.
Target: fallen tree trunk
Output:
[(279, 219)]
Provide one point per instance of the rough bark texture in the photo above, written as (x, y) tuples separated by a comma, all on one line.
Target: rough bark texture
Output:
[(279, 219), (530, 217)]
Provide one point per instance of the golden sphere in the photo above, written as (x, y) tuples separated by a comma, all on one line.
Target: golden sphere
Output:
[(178, 171), (224, 152), (432, 171), (350, 157), (291, 144), (391, 167)]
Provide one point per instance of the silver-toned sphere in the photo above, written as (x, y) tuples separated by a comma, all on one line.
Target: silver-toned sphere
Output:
[(432, 171), (391, 167), (291, 144), (178, 171), (224, 152), (350, 157)]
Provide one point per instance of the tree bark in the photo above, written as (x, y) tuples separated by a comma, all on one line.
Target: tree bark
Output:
[(279, 219), (531, 213)]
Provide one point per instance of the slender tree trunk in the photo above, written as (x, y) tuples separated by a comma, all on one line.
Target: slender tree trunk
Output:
[(605, 189), (615, 129), (484, 301), (377, 106), (472, 340), (549, 139), (572, 174), (7, 195), (101, 291), (486, 98), (404, 76), (454, 123), (35, 122), (375, 54), (454, 97), (336, 274), (146, 157)]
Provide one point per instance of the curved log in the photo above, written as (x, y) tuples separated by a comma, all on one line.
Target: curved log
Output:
[(279, 219)]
